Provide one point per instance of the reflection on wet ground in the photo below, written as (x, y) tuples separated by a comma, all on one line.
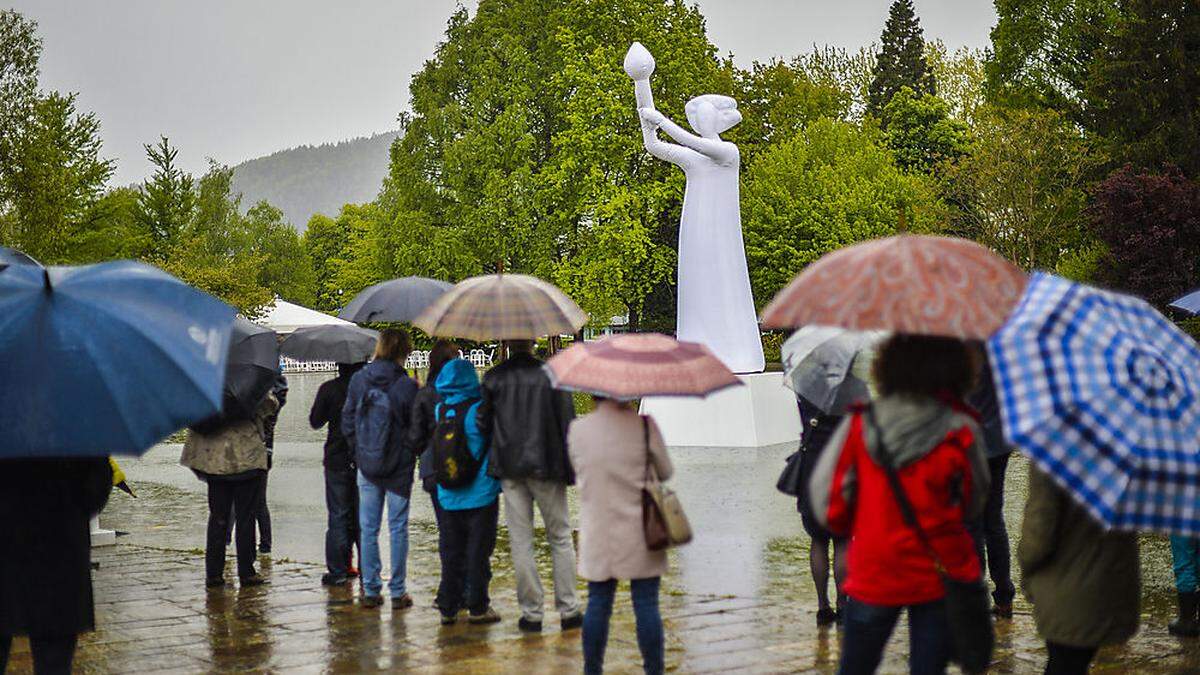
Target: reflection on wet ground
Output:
[(738, 598)]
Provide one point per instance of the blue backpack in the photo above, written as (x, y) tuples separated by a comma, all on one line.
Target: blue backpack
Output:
[(372, 431)]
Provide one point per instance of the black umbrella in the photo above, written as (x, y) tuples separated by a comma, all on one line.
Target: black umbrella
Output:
[(250, 373), (400, 300), (11, 256), (342, 343)]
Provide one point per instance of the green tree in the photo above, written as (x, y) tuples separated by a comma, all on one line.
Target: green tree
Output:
[(831, 185), (1143, 89), (960, 76), (901, 59), (1042, 51), (167, 199), (20, 50), (325, 241), (1021, 189), (54, 177), (523, 148), (285, 267), (779, 98), (921, 132)]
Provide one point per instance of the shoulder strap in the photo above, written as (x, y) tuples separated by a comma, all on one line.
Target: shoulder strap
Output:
[(646, 444), (906, 508)]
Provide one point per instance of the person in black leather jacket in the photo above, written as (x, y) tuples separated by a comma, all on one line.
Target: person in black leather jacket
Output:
[(526, 420)]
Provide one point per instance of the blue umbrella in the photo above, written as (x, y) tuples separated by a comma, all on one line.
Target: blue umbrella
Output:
[(11, 256), (104, 359), (1189, 303), (1103, 393)]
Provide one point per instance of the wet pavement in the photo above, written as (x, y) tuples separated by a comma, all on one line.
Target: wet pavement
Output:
[(739, 598)]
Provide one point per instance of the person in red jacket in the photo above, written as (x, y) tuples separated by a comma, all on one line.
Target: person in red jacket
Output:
[(919, 425)]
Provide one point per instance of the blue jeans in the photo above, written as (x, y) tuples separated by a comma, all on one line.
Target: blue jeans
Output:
[(868, 627), (341, 531), (1185, 554), (645, 611), (371, 498)]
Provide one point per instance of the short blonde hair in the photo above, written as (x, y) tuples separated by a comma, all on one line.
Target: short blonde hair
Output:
[(394, 344)]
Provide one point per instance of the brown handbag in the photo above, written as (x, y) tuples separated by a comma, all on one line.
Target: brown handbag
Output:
[(663, 520)]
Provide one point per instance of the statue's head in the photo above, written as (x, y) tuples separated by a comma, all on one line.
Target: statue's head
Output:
[(712, 114)]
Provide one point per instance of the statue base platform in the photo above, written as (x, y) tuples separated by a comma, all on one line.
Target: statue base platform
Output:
[(762, 412), (101, 536)]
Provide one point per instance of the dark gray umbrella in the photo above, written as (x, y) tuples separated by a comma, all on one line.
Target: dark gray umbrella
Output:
[(342, 343), (11, 256), (400, 300), (250, 373)]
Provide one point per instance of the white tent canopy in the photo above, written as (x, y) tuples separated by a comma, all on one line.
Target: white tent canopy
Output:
[(285, 317)]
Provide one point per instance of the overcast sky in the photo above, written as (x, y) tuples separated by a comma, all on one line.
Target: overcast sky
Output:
[(236, 79)]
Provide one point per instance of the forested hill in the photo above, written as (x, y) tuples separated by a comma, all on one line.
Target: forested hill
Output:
[(315, 179)]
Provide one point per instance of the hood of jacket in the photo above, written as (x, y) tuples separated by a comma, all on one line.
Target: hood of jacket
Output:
[(457, 382), (382, 373), (911, 426)]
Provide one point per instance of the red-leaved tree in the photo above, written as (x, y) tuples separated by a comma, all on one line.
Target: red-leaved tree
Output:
[(1151, 224)]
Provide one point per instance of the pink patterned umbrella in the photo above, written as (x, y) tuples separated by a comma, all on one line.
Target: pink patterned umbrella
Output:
[(906, 284), (644, 364)]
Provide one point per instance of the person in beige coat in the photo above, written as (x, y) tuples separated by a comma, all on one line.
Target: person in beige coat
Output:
[(1084, 582), (610, 449), (232, 460)]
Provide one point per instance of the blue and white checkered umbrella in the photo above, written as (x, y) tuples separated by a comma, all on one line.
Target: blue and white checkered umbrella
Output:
[(1103, 393)]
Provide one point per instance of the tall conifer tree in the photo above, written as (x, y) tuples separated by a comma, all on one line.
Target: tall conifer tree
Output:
[(901, 61)]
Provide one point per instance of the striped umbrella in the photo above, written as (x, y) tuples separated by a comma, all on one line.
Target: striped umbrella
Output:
[(905, 284), (626, 367), (502, 307), (1103, 393)]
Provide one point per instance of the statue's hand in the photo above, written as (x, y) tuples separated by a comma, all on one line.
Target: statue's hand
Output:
[(651, 116)]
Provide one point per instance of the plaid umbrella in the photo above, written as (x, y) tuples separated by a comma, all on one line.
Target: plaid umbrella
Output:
[(502, 307), (1103, 393), (626, 367), (820, 364), (906, 284)]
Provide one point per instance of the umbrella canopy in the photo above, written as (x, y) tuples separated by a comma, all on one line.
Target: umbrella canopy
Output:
[(104, 359), (819, 365), (252, 367), (11, 256), (1103, 393), (398, 300), (626, 367), (502, 307), (905, 284), (345, 343), (1189, 303)]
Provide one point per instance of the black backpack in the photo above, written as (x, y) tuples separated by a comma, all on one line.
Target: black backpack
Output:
[(453, 464)]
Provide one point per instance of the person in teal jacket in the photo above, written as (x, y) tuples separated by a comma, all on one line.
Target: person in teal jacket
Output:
[(467, 534)]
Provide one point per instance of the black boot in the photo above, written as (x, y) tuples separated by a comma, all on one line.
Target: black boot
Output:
[(1187, 625)]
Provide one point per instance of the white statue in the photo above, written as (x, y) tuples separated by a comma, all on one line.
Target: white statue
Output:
[(715, 305)]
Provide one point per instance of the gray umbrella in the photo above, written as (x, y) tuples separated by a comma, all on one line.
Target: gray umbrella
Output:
[(821, 365), (400, 300), (342, 343)]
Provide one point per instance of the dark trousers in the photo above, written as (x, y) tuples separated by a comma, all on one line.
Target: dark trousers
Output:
[(262, 515), (1066, 660), (645, 612), (51, 655), (341, 530), (242, 496), (466, 540), (991, 535), (868, 627)]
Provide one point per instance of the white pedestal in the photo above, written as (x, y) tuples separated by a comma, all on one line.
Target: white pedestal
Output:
[(762, 412), (102, 537)]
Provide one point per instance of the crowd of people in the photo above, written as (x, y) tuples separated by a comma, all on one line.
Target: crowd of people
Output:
[(907, 490)]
